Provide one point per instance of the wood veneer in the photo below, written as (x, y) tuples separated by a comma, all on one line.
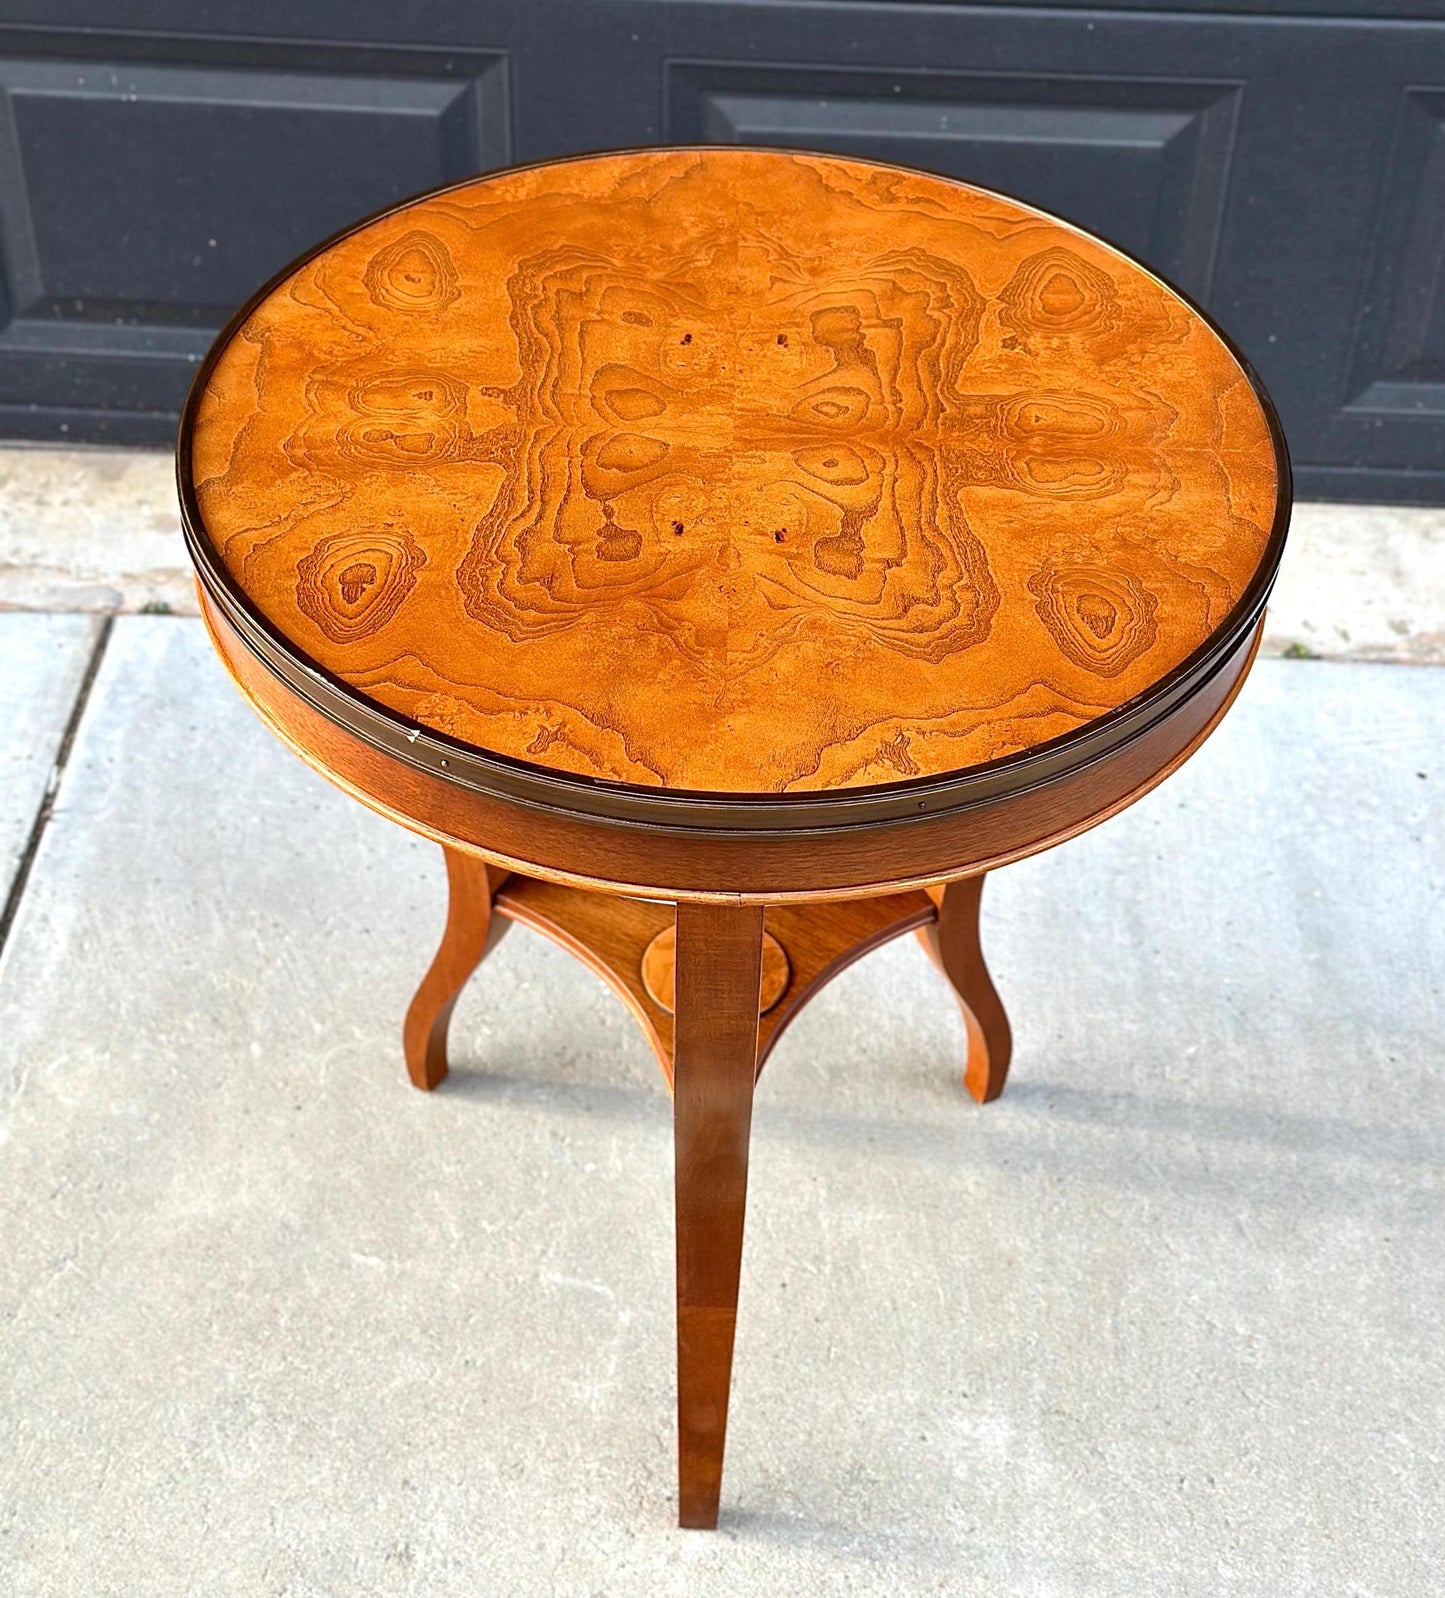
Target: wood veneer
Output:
[(732, 471)]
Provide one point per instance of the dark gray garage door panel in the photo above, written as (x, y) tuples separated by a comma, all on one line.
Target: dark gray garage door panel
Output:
[(197, 182), (1393, 414)]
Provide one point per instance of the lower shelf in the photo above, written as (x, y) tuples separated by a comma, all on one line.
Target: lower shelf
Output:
[(612, 936)]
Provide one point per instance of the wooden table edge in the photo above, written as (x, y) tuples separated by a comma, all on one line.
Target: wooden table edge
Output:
[(289, 718)]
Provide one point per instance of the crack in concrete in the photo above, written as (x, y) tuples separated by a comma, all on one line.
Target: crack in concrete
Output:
[(52, 787)]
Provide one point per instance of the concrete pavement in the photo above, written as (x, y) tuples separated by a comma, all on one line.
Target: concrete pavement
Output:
[(1163, 1320)]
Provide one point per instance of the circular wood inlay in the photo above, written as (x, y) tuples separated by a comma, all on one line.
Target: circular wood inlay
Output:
[(659, 971), (733, 471)]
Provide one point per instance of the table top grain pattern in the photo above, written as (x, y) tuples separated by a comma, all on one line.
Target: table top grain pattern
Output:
[(733, 472)]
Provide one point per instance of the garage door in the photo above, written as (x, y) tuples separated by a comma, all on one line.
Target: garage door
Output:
[(158, 160)]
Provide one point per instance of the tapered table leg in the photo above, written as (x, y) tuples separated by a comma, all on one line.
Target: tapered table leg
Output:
[(470, 931), (719, 970), (954, 943)]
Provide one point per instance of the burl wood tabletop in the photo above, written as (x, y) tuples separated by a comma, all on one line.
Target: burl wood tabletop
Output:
[(734, 470)]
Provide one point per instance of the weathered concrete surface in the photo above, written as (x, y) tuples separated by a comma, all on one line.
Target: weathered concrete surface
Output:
[(1361, 582), (1164, 1320), (42, 665), (98, 530), (91, 530)]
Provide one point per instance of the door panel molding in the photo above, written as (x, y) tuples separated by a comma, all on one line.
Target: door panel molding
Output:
[(141, 200)]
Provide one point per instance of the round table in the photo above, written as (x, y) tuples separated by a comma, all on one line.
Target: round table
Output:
[(728, 556)]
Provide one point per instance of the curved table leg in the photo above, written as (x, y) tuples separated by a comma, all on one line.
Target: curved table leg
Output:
[(719, 973), (953, 941), (471, 930)]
